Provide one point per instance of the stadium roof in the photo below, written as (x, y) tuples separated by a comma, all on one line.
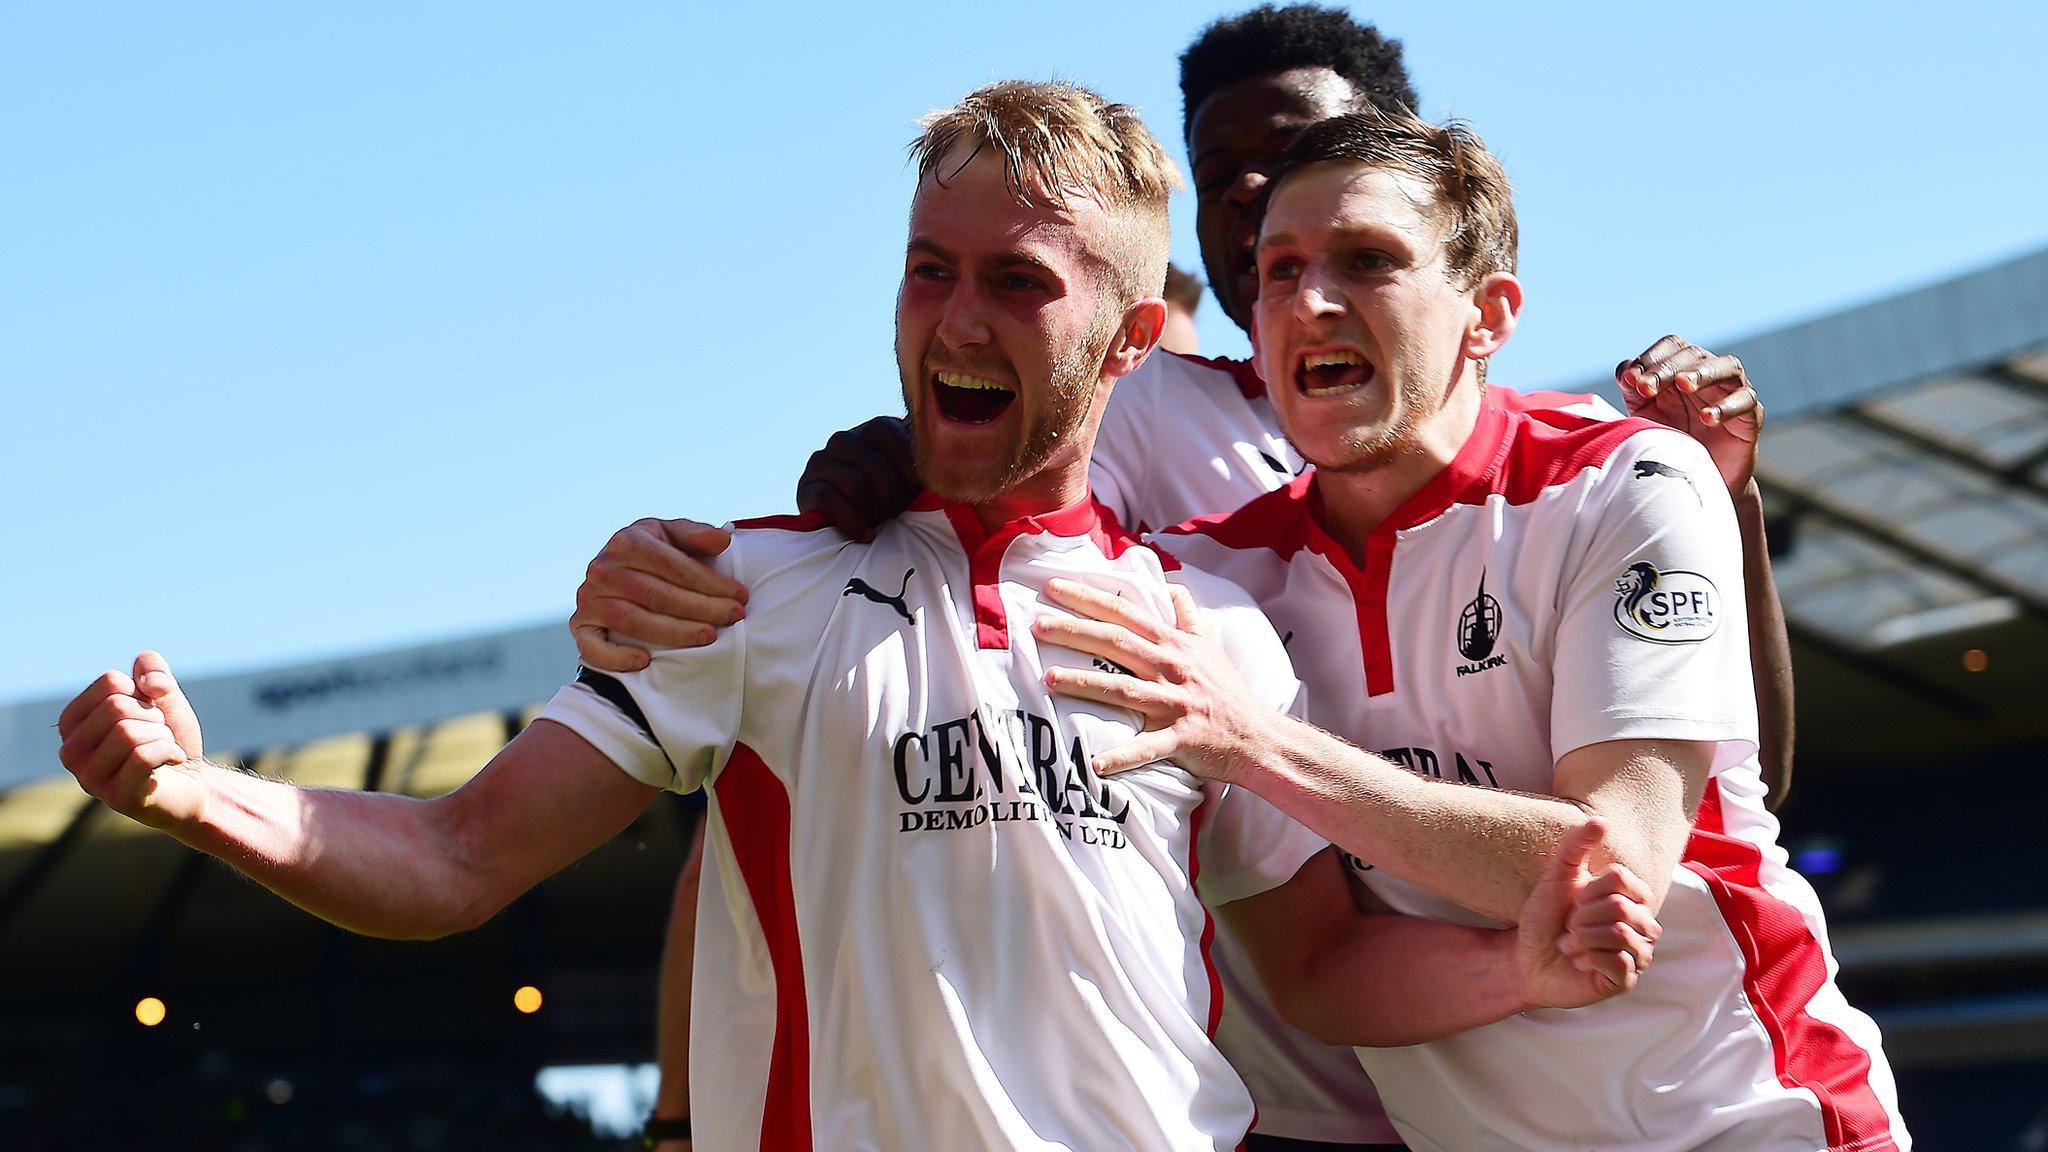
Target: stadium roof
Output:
[(1905, 467)]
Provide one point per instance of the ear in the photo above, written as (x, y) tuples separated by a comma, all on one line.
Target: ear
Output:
[(1496, 308), (1143, 323)]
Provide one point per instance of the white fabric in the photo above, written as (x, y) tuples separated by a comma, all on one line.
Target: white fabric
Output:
[(996, 948), (1180, 439), (1567, 582)]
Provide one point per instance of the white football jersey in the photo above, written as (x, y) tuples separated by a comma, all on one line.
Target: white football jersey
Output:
[(1185, 436), (1564, 582), (925, 923)]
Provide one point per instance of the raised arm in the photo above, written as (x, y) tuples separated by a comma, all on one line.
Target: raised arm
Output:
[(1351, 976), (1711, 399), (376, 863)]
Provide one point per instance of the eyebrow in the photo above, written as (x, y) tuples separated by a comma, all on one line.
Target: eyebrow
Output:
[(931, 248), (1288, 128), (1351, 232), (1000, 261)]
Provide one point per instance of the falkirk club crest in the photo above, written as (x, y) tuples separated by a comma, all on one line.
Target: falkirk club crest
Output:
[(1478, 631)]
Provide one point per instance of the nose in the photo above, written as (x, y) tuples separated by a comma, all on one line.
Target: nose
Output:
[(962, 325), (1317, 296), (1245, 191)]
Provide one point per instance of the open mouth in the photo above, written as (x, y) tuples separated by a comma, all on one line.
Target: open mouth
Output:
[(967, 399), (1333, 373)]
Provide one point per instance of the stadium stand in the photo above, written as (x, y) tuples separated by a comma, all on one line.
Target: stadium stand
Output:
[(1905, 465)]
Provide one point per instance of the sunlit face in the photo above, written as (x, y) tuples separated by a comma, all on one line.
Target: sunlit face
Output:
[(1363, 332), (1002, 323), (1234, 138)]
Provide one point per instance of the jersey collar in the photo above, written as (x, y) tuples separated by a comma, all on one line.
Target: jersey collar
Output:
[(985, 548), (1241, 372), (1472, 475), (1084, 517)]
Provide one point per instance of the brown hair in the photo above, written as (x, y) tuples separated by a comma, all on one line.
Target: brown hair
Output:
[(1472, 200), (1059, 140)]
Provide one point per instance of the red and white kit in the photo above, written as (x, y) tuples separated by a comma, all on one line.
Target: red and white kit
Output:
[(925, 922), (1568, 581), (1184, 437)]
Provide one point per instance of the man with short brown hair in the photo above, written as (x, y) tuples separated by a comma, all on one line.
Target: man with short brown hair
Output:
[(1538, 617)]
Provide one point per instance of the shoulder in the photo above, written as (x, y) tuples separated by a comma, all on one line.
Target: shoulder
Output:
[(1275, 522), (1588, 404), (1549, 448), (1250, 549), (766, 546)]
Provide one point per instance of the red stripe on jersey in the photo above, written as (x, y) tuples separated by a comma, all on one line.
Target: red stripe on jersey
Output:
[(1241, 372), (803, 522), (761, 845), (1208, 920), (1374, 642), (1783, 966), (1513, 401), (1278, 520)]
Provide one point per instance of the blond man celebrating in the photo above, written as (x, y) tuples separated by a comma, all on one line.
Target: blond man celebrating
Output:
[(928, 922)]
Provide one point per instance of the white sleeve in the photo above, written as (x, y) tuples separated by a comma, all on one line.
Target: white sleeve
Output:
[(1246, 845), (1117, 468), (1596, 407), (1653, 637), (671, 724)]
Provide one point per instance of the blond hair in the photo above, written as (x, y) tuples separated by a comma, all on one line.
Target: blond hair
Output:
[(1058, 140)]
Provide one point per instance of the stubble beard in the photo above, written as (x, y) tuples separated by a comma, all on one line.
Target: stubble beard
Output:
[(1069, 388)]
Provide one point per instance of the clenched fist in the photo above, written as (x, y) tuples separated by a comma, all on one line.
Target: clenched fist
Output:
[(133, 743)]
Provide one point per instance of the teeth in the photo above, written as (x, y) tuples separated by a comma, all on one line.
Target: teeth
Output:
[(962, 380), (1325, 359)]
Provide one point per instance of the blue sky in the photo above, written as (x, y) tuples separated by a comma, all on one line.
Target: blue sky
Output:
[(329, 328)]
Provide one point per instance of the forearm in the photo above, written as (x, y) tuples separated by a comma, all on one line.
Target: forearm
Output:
[(1481, 848), (672, 1019), (1770, 648), (374, 863), (1391, 981)]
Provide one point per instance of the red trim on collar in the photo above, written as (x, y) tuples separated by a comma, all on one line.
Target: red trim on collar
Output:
[(1242, 372), (985, 549), (1511, 454), (1467, 479)]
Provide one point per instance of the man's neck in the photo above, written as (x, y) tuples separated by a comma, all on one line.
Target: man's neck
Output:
[(1355, 503), (1049, 491)]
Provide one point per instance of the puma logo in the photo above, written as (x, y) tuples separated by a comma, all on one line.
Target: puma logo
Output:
[(1648, 468), (868, 590)]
